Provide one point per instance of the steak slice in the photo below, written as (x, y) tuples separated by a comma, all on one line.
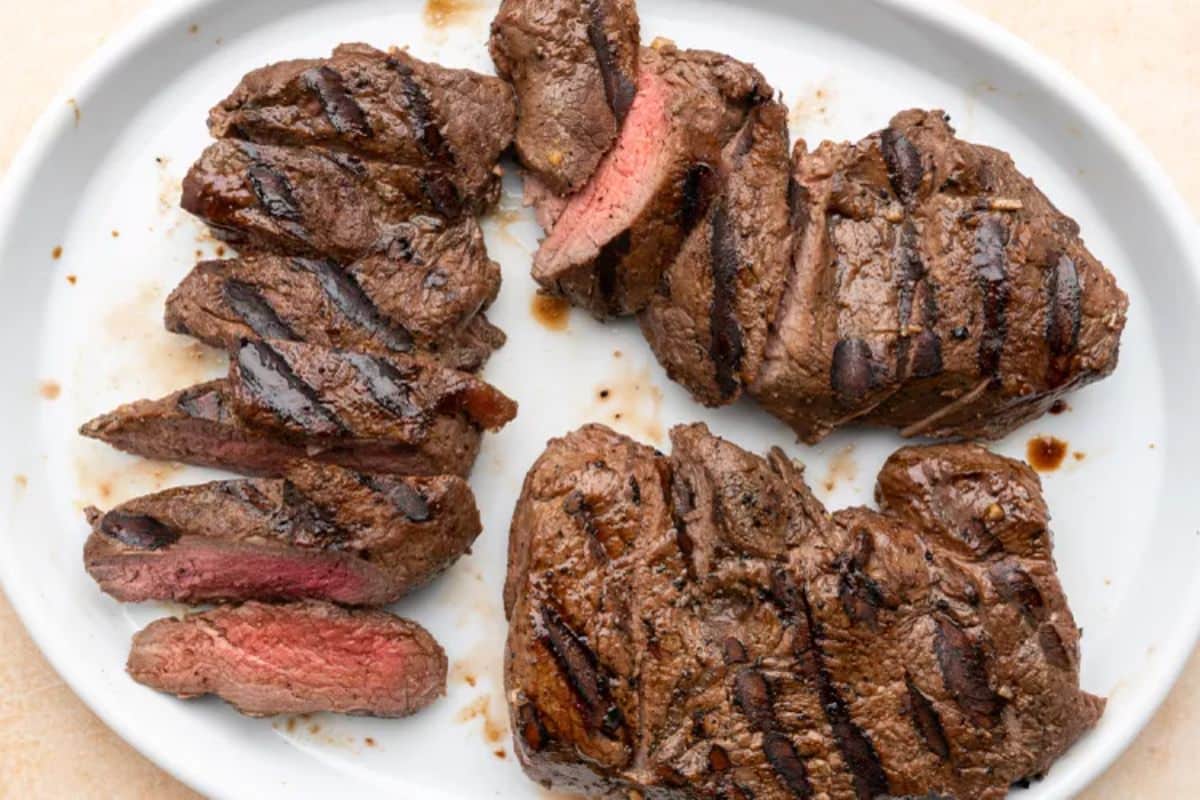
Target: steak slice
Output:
[(610, 245), (422, 295), (381, 106), (574, 65), (708, 324), (286, 401), (301, 658), (934, 289), (699, 626), (321, 533), (310, 201)]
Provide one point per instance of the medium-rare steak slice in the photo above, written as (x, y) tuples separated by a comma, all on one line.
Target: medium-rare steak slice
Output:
[(312, 201), (934, 290), (286, 401), (301, 658), (698, 626), (574, 64), (612, 242), (380, 106), (708, 324), (321, 533), (423, 294)]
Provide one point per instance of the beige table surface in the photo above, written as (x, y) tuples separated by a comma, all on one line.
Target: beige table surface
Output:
[(1141, 56)]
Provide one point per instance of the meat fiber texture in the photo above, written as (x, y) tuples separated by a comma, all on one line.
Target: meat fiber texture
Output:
[(699, 626), (934, 289), (302, 658)]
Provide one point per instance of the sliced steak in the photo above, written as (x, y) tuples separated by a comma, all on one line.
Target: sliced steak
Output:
[(302, 658), (422, 295), (286, 401), (612, 242), (574, 64), (381, 106), (934, 289), (310, 201), (321, 533), (699, 626), (708, 324)]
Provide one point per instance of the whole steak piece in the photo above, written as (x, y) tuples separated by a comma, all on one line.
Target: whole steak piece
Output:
[(321, 533), (699, 626), (613, 240), (422, 295), (934, 289), (574, 65), (379, 106), (302, 658), (285, 401)]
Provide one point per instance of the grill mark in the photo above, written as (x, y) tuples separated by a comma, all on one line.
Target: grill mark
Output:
[(733, 651), (853, 374), (783, 758), (920, 357), (441, 194), (866, 770), (269, 377), (991, 270), (608, 262), (346, 293), (577, 506), (925, 719), (388, 386), (752, 694), (248, 303), (249, 495), (582, 671), (346, 161), (635, 491), (619, 88), (1014, 585), (307, 523), (429, 136), (529, 725), (727, 347), (964, 672), (208, 404), (271, 186), (138, 531), (718, 759), (696, 195), (341, 109), (1064, 318), (1052, 646), (403, 497), (904, 166)]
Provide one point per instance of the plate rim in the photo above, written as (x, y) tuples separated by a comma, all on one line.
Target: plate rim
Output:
[(945, 17)]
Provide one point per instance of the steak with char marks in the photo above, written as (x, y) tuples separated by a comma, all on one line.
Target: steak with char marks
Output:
[(613, 240), (387, 107), (285, 401), (699, 626), (423, 294), (302, 658), (320, 533), (934, 289), (574, 65)]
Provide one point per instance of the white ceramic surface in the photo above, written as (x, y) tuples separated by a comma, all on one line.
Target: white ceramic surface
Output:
[(102, 184)]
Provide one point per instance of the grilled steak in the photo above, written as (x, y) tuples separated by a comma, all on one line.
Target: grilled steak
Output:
[(610, 245), (388, 107), (699, 626), (293, 659), (423, 295), (311, 201), (285, 401), (574, 65), (934, 290), (708, 324), (322, 533)]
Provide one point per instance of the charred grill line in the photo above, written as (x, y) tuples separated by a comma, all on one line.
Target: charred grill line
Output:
[(921, 356), (608, 264), (307, 523), (271, 187), (429, 136), (1064, 317), (991, 270), (964, 672), (699, 187), (1052, 646), (249, 304), (582, 670), (404, 498), (925, 719), (269, 377), (206, 403), (854, 373), (752, 694), (618, 87), (727, 347), (1014, 585), (388, 387), (342, 111), (441, 194), (783, 758), (529, 725), (346, 293), (904, 166), (138, 530)]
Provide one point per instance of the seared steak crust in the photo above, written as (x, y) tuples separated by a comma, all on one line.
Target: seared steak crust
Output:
[(301, 658), (699, 626), (322, 533), (934, 289)]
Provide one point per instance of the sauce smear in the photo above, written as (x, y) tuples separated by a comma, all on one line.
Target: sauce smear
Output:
[(552, 313), (1046, 454)]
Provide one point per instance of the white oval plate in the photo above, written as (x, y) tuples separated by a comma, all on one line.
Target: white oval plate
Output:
[(100, 179)]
